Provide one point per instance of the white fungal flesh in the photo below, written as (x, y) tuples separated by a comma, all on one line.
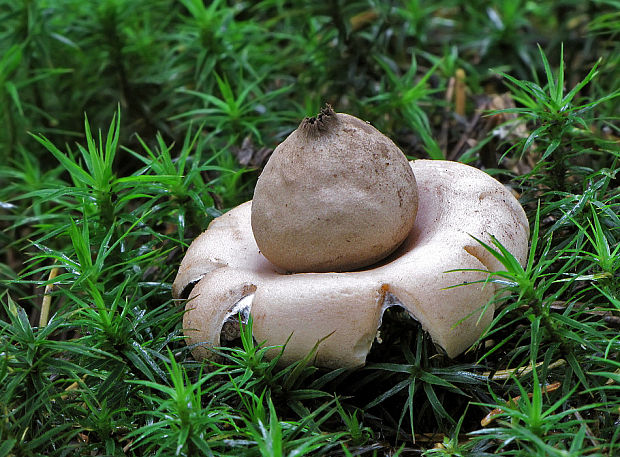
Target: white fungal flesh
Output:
[(230, 325)]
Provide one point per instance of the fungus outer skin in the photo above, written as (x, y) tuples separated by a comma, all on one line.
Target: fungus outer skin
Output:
[(346, 317), (456, 202)]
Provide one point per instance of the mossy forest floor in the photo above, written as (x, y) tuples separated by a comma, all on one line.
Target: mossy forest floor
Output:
[(126, 126)]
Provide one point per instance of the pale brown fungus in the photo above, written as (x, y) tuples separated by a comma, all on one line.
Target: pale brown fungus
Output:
[(456, 202), (336, 195)]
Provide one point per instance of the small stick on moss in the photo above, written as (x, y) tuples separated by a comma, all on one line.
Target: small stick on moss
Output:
[(513, 401), (589, 433), (518, 372), (73, 387), (611, 381), (127, 446), (47, 298), (459, 92)]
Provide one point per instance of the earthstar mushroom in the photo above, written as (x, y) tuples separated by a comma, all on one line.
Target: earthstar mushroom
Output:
[(224, 273)]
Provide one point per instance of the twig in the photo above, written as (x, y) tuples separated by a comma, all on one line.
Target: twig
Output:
[(486, 420), (456, 90), (47, 298), (466, 136), (127, 447), (518, 372), (459, 92), (589, 433), (611, 381), (443, 135)]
